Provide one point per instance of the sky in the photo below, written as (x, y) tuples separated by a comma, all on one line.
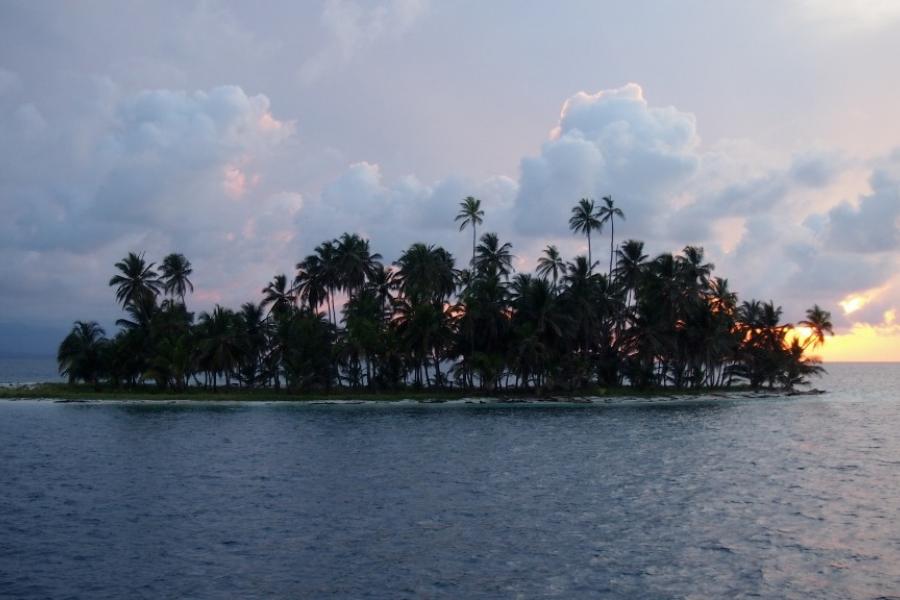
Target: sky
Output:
[(243, 135)]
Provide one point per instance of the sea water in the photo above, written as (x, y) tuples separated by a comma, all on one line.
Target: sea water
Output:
[(776, 498)]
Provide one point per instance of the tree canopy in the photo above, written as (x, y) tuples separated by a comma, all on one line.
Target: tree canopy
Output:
[(344, 319)]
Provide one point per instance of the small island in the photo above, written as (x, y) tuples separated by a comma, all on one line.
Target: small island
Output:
[(346, 325)]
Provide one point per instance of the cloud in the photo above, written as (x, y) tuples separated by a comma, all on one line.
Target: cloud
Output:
[(608, 143), (817, 168), (208, 173), (160, 159), (734, 181), (397, 213), (352, 26), (838, 17), (740, 202), (872, 223), (160, 170)]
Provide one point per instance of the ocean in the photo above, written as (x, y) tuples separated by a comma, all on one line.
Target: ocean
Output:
[(776, 498)]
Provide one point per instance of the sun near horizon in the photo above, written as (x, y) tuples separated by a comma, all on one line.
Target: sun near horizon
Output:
[(863, 343)]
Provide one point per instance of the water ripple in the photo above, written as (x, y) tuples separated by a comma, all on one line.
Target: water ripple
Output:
[(774, 499)]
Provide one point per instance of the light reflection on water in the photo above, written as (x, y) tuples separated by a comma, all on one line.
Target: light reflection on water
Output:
[(786, 498)]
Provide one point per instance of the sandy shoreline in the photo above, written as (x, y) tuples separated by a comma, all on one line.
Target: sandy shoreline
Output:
[(552, 401)]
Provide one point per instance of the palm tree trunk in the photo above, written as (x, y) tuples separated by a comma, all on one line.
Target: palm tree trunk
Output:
[(437, 370), (473, 246), (612, 236), (590, 260), (331, 312)]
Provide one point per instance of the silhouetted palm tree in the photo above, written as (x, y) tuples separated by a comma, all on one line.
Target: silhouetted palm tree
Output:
[(80, 353), (721, 297), (425, 273), (253, 332), (355, 262), (383, 282), (551, 263), (585, 220), (326, 252), (470, 214), (175, 269), (136, 280), (630, 266), (608, 213), (492, 257), (278, 296), (579, 297), (310, 283), (220, 343), (665, 322), (819, 322), (693, 269)]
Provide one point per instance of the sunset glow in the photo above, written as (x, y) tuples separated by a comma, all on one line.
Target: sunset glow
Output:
[(863, 343), (851, 304)]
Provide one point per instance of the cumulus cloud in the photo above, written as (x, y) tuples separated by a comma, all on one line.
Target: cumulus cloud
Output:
[(872, 223), (117, 134), (610, 142), (817, 168), (206, 173), (397, 213), (153, 172), (744, 205), (157, 153)]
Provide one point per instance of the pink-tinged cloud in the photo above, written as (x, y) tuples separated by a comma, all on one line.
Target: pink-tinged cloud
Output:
[(234, 182)]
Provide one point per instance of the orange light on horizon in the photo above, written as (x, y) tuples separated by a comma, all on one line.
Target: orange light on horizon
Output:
[(865, 343)]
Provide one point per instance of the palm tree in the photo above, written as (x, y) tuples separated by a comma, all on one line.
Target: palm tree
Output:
[(310, 283), (721, 298), (470, 213), (492, 257), (487, 313), (364, 316), (136, 281), (80, 353), (278, 296), (667, 321), (175, 270), (425, 273), (326, 252), (693, 269), (220, 344), (630, 266), (608, 213), (355, 262), (584, 220), (383, 282), (537, 326), (551, 263), (819, 322), (423, 328), (141, 314), (579, 295), (252, 332)]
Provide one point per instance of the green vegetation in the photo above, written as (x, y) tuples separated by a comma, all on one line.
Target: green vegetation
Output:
[(346, 324)]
